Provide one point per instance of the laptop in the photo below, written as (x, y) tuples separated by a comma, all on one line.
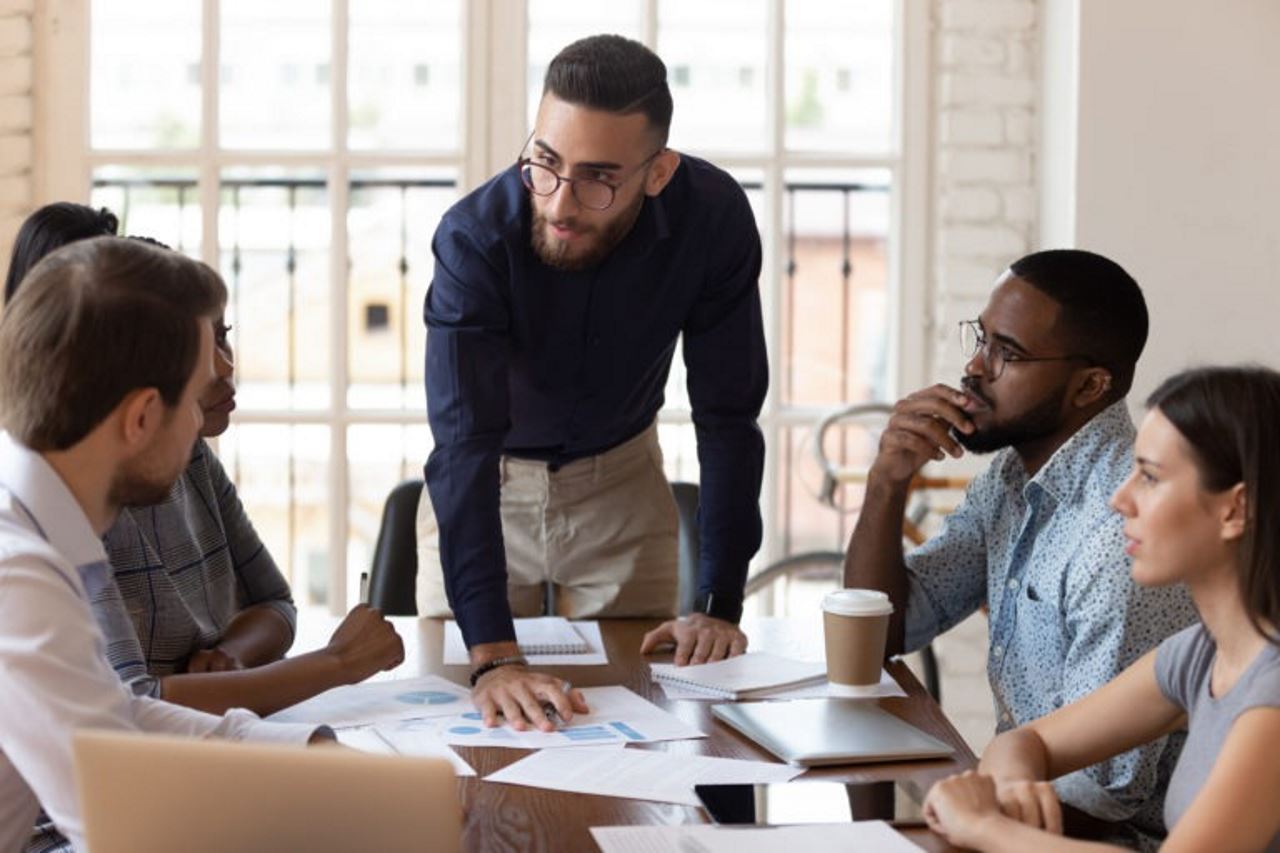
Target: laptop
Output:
[(141, 793), (815, 732)]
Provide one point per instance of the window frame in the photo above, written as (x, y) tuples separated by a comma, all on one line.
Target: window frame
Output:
[(494, 49)]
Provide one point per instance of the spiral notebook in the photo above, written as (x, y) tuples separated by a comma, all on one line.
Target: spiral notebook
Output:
[(750, 676), (549, 635)]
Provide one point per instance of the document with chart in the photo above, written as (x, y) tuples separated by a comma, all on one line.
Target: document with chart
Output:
[(380, 701), (617, 716)]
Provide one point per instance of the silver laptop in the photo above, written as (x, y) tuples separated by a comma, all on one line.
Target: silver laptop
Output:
[(813, 732), (141, 793)]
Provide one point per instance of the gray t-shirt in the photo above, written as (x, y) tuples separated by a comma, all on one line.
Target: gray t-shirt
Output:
[(1183, 666)]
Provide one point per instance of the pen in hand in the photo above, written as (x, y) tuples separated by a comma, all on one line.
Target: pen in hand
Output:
[(553, 716)]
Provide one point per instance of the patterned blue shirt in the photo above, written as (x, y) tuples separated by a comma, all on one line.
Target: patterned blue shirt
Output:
[(1047, 554)]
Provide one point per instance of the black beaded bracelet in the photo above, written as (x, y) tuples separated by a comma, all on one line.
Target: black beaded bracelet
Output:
[(491, 665)]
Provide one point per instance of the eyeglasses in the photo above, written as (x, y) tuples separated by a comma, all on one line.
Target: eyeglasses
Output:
[(591, 193), (996, 355)]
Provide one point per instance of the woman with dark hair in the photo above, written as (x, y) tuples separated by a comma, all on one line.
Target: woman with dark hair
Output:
[(1200, 508), (199, 613), (51, 227)]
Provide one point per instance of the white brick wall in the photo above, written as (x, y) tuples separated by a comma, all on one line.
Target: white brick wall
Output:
[(16, 121), (986, 83), (986, 79)]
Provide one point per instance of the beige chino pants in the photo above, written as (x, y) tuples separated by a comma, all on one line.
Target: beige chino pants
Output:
[(602, 530)]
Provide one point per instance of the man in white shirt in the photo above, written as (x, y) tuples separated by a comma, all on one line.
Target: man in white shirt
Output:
[(103, 358)]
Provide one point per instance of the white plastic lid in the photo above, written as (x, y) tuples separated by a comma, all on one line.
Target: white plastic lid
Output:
[(857, 602)]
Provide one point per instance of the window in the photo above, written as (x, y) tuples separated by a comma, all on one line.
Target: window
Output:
[(308, 149)]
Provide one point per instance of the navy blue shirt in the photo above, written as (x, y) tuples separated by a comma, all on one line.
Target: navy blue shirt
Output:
[(531, 361)]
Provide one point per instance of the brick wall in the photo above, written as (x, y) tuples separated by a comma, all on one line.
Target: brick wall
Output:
[(986, 86), (985, 89), (15, 119)]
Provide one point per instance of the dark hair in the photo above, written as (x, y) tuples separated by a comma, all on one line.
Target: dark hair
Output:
[(1230, 417), (92, 322), (1103, 317), (613, 74), (52, 227)]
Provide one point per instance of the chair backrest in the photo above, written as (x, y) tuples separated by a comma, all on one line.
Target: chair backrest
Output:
[(686, 495), (395, 556)]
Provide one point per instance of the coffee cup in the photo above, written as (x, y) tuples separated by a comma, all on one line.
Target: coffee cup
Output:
[(856, 626)]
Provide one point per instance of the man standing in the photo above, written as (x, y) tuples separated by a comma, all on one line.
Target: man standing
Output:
[(560, 289), (1050, 361), (104, 354)]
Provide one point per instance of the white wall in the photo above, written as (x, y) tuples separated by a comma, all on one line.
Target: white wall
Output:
[(1177, 169)]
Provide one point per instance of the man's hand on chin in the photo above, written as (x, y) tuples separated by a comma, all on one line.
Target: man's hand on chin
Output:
[(697, 639)]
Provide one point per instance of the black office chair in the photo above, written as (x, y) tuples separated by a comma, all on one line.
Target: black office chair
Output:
[(686, 495), (808, 565), (395, 556)]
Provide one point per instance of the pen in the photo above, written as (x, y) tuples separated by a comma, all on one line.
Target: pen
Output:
[(550, 710)]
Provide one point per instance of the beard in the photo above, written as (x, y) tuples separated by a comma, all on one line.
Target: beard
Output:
[(555, 253), (1043, 419), (139, 485)]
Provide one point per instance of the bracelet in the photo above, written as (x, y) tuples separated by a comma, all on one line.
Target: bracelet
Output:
[(490, 665)]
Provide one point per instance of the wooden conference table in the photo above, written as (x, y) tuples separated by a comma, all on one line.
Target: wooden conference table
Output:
[(511, 817)]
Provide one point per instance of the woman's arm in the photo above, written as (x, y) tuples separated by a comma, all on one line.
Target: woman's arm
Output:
[(1126, 712), (363, 644), (963, 809), (1236, 808)]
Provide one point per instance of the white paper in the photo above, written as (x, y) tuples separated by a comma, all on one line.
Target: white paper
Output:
[(638, 774), (750, 673), (885, 689), (867, 836), (617, 716), (380, 701), (455, 650), (418, 738)]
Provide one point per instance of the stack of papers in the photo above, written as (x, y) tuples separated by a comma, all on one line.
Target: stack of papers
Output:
[(639, 774), (750, 676), (545, 641)]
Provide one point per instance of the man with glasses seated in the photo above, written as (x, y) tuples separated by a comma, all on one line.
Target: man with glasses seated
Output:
[(561, 287), (1049, 362)]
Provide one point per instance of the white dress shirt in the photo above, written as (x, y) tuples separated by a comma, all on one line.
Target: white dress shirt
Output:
[(54, 675)]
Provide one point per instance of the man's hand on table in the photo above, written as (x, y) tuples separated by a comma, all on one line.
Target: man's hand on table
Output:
[(697, 639), (515, 694)]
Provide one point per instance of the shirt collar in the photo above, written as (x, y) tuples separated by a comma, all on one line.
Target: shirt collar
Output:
[(651, 228), (55, 511), (1066, 472)]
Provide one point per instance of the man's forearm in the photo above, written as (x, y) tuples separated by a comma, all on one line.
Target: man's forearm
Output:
[(263, 690), (874, 558), (257, 635)]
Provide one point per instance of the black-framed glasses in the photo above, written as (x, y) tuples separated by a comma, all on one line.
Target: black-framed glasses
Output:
[(996, 355), (591, 193)]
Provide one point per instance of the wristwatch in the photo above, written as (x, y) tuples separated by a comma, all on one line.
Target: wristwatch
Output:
[(718, 606), (490, 665)]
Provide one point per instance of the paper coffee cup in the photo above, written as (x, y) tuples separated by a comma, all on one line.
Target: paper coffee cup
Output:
[(855, 626)]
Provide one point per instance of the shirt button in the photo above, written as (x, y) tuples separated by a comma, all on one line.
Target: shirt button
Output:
[(997, 652), (1005, 716), (1013, 583)]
